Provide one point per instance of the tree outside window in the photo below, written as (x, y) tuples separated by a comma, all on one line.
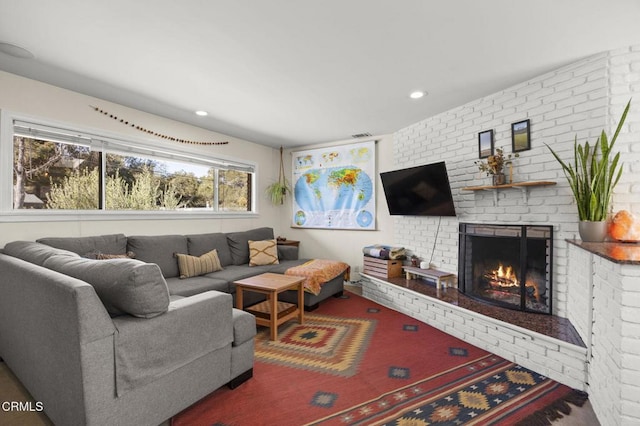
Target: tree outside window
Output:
[(64, 176)]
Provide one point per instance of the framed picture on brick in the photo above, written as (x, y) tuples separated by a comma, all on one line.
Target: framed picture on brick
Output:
[(520, 136), (485, 143)]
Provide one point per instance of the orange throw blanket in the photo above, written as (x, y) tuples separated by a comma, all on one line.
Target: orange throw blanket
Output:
[(318, 272)]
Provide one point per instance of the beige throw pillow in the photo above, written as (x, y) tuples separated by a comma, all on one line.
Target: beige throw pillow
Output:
[(193, 266), (263, 253)]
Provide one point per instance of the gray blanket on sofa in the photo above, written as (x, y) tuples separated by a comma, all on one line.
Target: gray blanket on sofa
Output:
[(180, 336)]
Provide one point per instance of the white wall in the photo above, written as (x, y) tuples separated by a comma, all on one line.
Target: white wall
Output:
[(609, 291), (582, 98), (33, 98), (30, 97), (579, 100)]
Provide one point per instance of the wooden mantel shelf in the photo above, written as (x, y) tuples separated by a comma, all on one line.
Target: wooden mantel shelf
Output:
[(510, 185), (523, 186)]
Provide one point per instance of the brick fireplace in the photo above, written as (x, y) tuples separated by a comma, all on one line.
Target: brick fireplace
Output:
[(598, 295), (507, 265)]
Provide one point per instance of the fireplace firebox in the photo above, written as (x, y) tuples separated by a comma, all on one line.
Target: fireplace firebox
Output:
[(507, 265)]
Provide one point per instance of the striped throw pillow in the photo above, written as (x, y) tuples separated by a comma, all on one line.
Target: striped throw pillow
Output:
[(263, 253), (193, 266)]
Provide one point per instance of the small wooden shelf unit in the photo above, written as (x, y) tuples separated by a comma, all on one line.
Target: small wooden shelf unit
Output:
[(442, 279), (382, 268)]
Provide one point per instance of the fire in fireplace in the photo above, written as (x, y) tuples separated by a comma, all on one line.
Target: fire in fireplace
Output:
[(507, 265)]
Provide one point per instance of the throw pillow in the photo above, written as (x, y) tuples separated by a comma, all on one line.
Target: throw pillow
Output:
[(125, 286), (193, 266), (97, 255), (105, 256), (263, 252)]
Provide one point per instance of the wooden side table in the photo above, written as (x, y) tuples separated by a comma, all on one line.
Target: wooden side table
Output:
[(288, 243), (271, 313)]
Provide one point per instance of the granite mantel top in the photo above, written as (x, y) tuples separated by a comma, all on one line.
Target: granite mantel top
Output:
[(625, 253)]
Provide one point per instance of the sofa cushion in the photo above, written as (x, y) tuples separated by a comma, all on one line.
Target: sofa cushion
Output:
[(286, 264), (159, 249), (194, 266), (263, 252), (200, 244), (125, 286), (86, 246), (196, 285), (32, 252), (236, 272), (239, 243)]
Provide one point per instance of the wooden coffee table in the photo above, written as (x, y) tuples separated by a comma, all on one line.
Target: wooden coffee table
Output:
[(271, 313)]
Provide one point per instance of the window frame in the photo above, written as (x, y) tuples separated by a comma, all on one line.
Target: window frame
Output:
[(112, 142)]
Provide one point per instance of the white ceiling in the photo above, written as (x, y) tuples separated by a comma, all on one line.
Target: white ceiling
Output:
[(299, 72)]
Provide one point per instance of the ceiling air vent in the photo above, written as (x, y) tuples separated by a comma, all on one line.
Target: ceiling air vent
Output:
[(361, 135)]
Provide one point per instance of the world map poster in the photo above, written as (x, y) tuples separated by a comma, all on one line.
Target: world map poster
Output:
[(334, 187)]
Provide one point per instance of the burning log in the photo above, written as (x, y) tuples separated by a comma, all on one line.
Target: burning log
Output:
[(501, 281)]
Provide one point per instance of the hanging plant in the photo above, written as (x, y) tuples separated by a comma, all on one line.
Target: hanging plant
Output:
[(277, 191)]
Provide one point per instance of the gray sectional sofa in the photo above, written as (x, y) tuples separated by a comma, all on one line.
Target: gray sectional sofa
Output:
[(127, 341)]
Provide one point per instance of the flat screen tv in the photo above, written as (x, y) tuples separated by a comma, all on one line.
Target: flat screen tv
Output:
[(419, 191)]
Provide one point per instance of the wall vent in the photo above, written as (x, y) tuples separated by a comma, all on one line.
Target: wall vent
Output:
[(361, 135)]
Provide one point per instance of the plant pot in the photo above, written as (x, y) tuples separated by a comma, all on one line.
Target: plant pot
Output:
[(499, 179), (592, 231)]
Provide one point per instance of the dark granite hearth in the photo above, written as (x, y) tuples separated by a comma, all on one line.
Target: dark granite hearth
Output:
[(549, 325), (616, 252)]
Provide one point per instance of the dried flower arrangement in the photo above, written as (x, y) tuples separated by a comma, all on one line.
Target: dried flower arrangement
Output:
[(495, 163)]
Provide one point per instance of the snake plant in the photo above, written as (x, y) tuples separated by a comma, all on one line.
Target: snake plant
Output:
[(594, 173)]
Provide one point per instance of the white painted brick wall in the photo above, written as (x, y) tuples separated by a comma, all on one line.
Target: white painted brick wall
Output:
[(581, 100), (578, 100), (613, 292), (624, 84), (571, 100), (604, 377), (561, 361), (580, 294)]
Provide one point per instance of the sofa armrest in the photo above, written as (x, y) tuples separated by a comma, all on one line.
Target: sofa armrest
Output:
[(50, 319), (147, 349), (244, 327), (287, 252)]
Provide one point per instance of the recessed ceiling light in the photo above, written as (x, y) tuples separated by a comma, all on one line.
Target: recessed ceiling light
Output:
[(202, 113), (417, 94), (15, 51)]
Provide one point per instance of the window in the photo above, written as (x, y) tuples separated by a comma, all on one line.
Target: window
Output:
[(63, 169), (54, 175)]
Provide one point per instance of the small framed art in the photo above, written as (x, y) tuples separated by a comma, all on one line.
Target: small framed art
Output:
[(520, 136), (485, 143)]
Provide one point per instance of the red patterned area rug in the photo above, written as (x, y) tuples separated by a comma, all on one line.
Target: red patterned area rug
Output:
[(355, 362), (326, 344)]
